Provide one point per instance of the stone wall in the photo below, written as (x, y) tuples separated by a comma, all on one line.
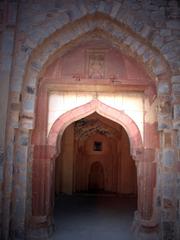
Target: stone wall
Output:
[(8, 23), (146, 30)]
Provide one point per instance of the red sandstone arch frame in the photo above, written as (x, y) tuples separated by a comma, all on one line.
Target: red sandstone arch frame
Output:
[(43, 202), (36, 61), (104, 110)]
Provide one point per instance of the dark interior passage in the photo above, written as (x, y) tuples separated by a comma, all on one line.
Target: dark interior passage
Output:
[(94, 217), (95, 156), (96, 186), (96, 178)]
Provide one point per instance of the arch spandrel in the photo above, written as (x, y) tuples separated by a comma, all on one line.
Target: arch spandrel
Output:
[(64, 39)]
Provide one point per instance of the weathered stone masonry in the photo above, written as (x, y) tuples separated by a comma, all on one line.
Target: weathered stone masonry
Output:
[(32, 34)]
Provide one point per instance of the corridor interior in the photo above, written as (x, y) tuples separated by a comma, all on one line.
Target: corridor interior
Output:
[(96, 182)]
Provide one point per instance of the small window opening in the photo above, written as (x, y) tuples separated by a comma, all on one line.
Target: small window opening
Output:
[(97, 146)]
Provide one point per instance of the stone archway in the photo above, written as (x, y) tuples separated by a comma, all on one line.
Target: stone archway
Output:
[(43, 202), (38, 60)]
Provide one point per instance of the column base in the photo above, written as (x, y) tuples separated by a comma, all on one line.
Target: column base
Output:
[(148, 231), (42, 228)]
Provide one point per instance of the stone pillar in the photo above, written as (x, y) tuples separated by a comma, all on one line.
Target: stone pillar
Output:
[(178, 183), (145, 222), (43, 183), (19, 196), (169, 170), (168, 203), (168, 187), (68, 160), (146, 168), (7, 36)]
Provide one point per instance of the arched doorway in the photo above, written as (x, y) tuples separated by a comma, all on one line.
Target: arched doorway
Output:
[(95, 151), (126, 109), (31, 62), (49, 153), (94, 172), (96, 178)]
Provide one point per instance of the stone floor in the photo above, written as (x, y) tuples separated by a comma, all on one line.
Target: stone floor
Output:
[(91, 217)]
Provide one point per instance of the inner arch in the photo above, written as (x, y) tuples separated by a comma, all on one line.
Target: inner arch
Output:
[(95, 156), (104, 110)]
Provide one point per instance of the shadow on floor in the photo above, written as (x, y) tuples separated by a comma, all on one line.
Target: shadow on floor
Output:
[(90, 217)]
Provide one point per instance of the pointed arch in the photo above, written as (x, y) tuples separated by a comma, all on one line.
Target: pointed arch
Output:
[(104, 110), (65, 38)]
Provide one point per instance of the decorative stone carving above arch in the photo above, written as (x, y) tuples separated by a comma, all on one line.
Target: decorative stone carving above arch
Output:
[(67, 37)]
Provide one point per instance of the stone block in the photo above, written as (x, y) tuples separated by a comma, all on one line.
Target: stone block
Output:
[(168, 191), (170, 55), (178, 166), (7, 42), (168, 158), (6, 63), (103, 6), (168, 231), (178, 191), (115, 8), (137, 25), (38, 35), (164, 123), (27, 123), (119, 34), (176, 111), (168, 214), (163, 88), (178, 140), (74, 12), (168, 178), (158, 201), (129, 40), (12, 13), (82, 7), (158, 41), (15, 97), (15, 118), (175, 79), (165, 32), (176, 88), (167, 203), (21, 155), (92, 6), (28, 105), (26, 50), (30, 90), (141, 50), (145, 32), (147, 55), (36, 66), (164, 105), (23, 139), (135, 45), (167, 140), (172, 49), (1, 165), (158, 69), (173, 24), (176, 124)]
